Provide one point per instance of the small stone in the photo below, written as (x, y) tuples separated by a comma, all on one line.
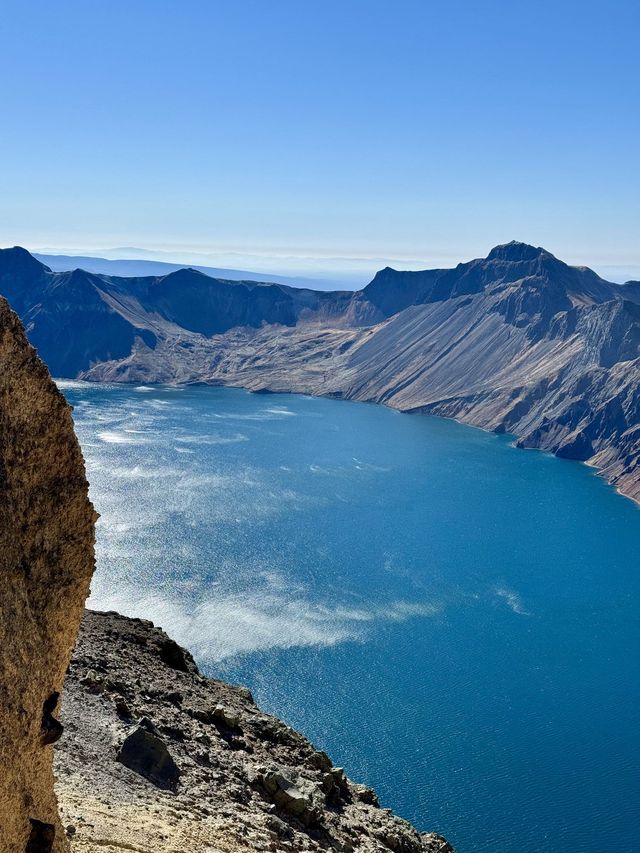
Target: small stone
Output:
[(321, 761), (434, 843), (92, 682), (147, 724), (203, 758), (246, 694), (174, 732), (115, 686), (175, 697), (290, 798), (122, 708), (228, 718), (278, 827)]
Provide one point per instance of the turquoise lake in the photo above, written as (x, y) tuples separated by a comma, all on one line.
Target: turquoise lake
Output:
[(454, 620)]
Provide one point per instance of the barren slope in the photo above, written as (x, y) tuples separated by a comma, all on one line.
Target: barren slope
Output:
[(158, 759)]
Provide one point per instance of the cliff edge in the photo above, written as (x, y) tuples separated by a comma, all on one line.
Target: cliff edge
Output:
[(46, 561), (158, 758)]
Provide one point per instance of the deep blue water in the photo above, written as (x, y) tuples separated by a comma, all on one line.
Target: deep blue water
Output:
[(455, 621)]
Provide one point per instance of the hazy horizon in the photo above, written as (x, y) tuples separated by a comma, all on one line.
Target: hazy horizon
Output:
[(349, 271), (282, 138)]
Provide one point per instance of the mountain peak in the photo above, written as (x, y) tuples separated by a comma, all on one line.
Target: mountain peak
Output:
[(516, 251), (19, 261)]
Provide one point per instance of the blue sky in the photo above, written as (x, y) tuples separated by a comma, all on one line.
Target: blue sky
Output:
[(322, 134)]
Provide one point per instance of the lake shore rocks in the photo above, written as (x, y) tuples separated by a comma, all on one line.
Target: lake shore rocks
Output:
[(158, 758)]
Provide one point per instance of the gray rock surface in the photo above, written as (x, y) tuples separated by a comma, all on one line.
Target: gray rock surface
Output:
[(246, 780)]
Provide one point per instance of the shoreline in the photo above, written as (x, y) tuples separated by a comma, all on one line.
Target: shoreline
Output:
[(418, 410)]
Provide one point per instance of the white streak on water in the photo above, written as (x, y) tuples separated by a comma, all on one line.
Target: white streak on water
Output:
[(72, 384), (262, 415), (225, 625), (212, 439), (512, 600), (111, 437), (280, 410)]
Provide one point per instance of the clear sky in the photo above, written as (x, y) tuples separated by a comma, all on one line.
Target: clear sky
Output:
[(323, 133)]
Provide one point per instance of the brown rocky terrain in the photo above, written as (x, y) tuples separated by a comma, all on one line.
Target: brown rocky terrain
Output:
[(157, 758), (46, 561)]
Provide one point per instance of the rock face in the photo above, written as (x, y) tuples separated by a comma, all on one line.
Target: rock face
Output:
[(516, 342), (46, 562), (157, 758)]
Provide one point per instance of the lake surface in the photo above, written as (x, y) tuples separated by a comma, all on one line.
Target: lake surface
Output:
[(455, 621)]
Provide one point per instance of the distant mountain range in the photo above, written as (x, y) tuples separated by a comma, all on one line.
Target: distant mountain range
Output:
[(516, 342), (143, 267)]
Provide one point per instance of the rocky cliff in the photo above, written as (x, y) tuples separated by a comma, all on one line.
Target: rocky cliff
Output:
[(516, 342), (46, 560), (158, 759)]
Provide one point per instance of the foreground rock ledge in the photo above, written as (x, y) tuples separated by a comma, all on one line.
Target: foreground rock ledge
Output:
[(157, 758), (46, 562)]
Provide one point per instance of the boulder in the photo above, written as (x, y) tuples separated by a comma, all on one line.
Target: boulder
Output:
[(434, 843), (145, 752), (226, 717), (291, 798)]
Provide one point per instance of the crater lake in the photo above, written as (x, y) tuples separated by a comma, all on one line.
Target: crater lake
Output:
[(452, 619)]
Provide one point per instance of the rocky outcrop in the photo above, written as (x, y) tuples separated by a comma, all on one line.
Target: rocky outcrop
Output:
[(46, 562), (158, 758)]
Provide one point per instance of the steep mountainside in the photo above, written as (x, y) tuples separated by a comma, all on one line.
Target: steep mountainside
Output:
[(77, 319), (158, 759), (516, 342)]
